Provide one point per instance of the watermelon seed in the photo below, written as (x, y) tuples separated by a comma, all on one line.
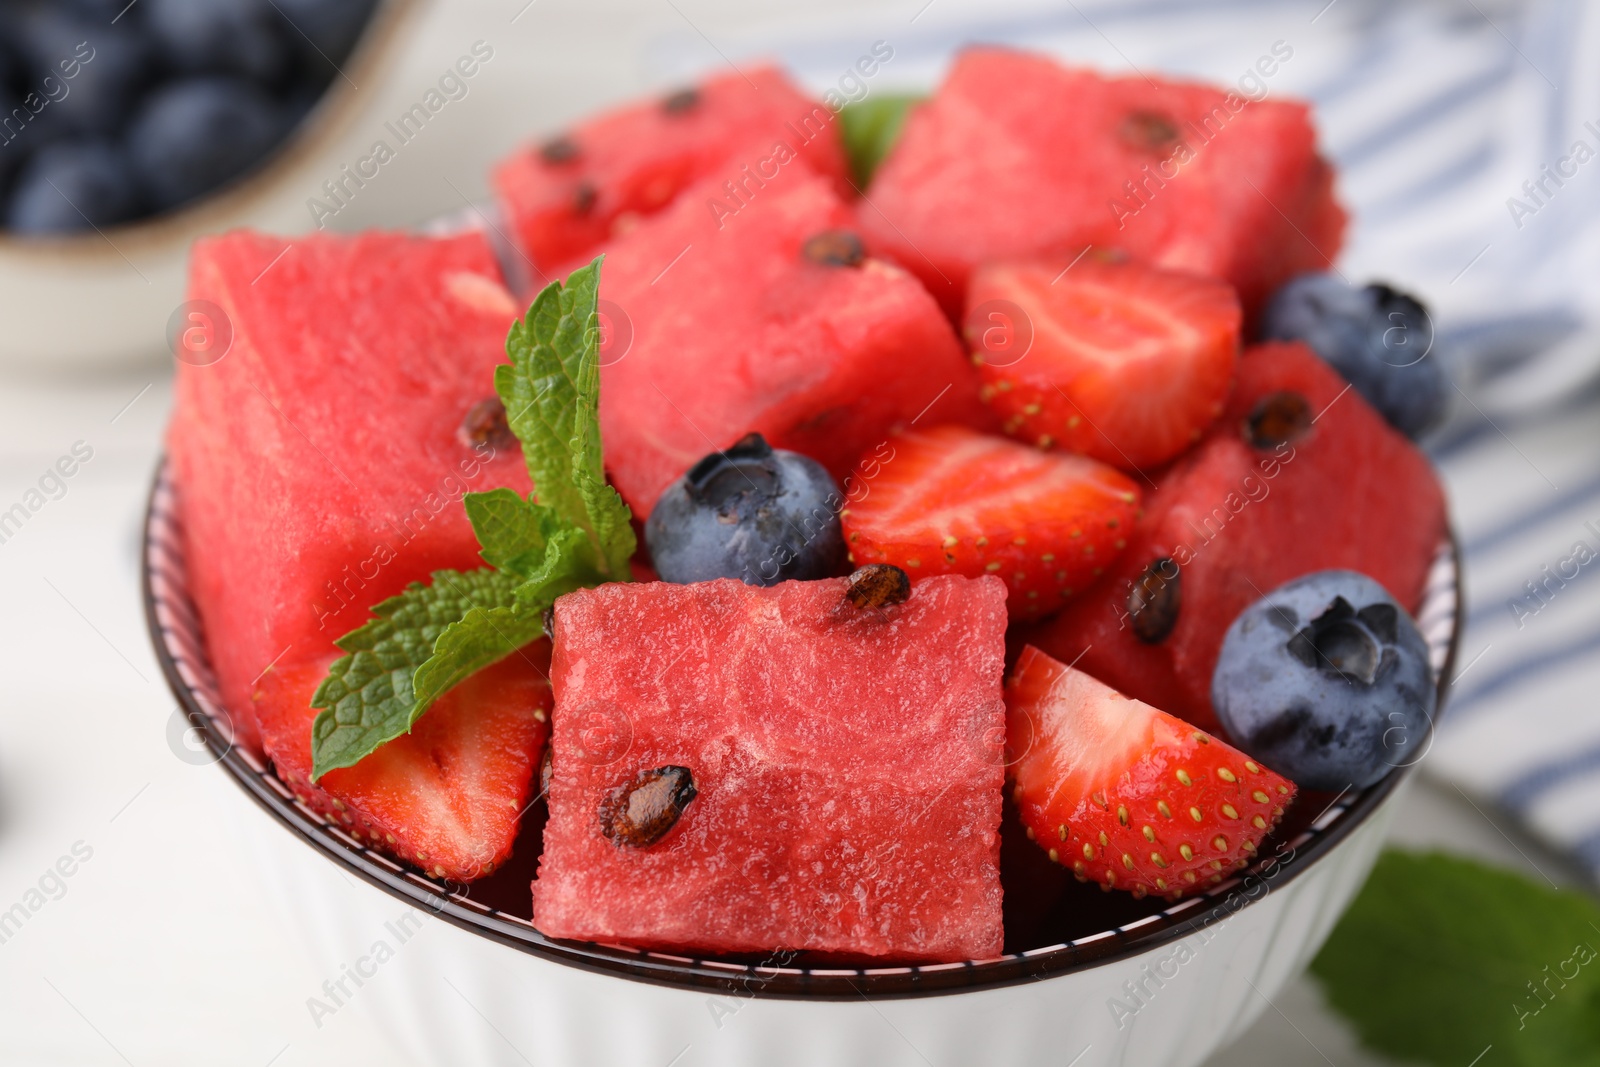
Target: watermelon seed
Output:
[(681, 102), (1277, 419), (1148, 131), (877, 585), (834, 248), (485, 424), (583, 197), (546, 771), (1154, 600), (559, 150), (639, 812), (550, 621)]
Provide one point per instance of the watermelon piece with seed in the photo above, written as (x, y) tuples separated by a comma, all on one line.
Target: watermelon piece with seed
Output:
[(318, 463), (1239, 515), (565, 196), (1017, 156), (843, 769), (728, 327)]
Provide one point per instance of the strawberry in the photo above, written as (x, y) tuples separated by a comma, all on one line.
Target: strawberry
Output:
[(953, 501), (1119, 361), (1127, 795), (447, 797)]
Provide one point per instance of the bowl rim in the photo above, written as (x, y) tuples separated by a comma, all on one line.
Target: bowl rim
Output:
[(178, 640)]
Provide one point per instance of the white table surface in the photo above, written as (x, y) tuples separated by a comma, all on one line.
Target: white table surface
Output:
[(160, 950)]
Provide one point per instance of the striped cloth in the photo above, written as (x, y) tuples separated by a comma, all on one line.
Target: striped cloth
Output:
[(1467, 134)]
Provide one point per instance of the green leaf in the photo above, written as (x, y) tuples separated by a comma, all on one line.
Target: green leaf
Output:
[(459, 624), (870, 128), (1440, 958), (512, 532), (551, 392)]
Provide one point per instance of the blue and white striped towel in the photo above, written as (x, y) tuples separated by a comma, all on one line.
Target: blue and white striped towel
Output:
[(1467, 133)]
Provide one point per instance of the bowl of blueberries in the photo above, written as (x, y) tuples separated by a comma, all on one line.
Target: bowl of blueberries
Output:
[(128, 127)]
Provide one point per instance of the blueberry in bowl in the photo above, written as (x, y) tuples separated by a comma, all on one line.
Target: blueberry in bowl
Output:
[(1379, 338), (753, 512), (1327, 679)]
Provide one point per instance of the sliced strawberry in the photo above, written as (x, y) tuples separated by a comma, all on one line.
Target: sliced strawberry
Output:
[(1129, 796), (448, 796), (1119, 361), (953, 501)]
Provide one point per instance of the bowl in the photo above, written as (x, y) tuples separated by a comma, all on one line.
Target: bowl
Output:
[(131, 277), (1094, 979)]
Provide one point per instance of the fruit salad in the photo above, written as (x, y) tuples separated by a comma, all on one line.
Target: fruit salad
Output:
[(797, 572)]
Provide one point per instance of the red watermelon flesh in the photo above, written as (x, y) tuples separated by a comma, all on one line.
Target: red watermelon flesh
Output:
[(1239, 521), (317, 463), (448, 796), (566, 196), (733, 330), (1016, 156), (847, 763)]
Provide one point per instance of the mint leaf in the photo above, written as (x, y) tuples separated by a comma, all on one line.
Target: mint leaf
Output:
[(870, 128), (512, 532), (1440, 958), (422, 642), (551, 392)]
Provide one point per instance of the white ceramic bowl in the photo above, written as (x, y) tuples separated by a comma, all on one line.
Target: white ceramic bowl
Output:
[(1111, 980)]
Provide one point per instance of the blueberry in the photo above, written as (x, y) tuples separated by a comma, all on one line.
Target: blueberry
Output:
[(755, 513), (190, 136), (325, 30), (84, 73), (243, 37), (1326, 680), (72, 185), (1378, 338)]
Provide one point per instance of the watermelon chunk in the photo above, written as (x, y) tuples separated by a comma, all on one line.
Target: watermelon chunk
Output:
[(734, 330), (566, 196), (317, 463), (448, 796), (847, 767), (1016, 156), (1237, 521)]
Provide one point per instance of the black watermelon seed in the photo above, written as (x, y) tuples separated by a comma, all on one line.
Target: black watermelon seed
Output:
[(835, 248), (684, 100), (1277, 419), (877, 585), (485, 424), (546, 772), (639, 812), (1154, 600), (583, 197), (1148, 131), (559, 150)]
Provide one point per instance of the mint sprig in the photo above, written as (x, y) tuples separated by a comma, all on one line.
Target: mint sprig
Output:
[(577, 533), (1440, 958)]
